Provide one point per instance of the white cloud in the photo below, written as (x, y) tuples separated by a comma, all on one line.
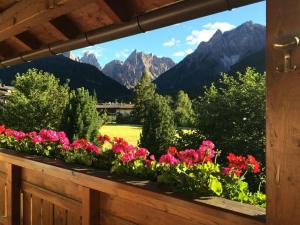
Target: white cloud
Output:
[(96, 50), (198, 36), (171, 42), (123, 54), (183, 53)]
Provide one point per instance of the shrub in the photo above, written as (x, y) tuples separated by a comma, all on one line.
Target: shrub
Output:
[(158, 128), (37, 102), (81, 118), (233, 114), (184, 113)]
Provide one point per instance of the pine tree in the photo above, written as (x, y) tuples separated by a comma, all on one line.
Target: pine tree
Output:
[(143, 94), (184, 113), (81, 118), (158, 127)]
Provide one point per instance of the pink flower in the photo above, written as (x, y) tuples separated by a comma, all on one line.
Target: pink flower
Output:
[(32, 134), (152, 157), (93, 148), (141, 153), (169, 159), (37, 139), (189, 156), (127, 157), (206, 151), (120, 145), (49, 135)]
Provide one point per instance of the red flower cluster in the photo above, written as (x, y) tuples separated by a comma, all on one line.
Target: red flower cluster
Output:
[(128, 152), (238, 164), (205, 153), (85, 145), (103, 138)]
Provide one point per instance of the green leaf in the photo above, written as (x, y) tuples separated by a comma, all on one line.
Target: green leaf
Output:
[(215, 185)]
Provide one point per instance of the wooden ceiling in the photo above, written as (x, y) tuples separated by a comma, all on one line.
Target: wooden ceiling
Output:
[(27, 25), (33, 28)]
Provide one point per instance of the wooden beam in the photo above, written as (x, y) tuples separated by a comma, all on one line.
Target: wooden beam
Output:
[(282, 113), (29, 13), (66, 26), (30, 40)]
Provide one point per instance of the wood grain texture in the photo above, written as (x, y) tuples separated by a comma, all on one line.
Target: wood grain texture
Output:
[(283, 120), (127, 201)]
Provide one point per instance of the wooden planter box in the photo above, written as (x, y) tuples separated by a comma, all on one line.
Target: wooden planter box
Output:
[(41, 191)]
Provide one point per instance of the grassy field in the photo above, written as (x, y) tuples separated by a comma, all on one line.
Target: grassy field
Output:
[(130, 133)]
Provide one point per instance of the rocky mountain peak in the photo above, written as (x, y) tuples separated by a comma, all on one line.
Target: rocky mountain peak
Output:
[(130, 72), (90, 58)]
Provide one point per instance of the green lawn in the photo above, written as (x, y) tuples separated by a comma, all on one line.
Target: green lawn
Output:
[(130, 133)]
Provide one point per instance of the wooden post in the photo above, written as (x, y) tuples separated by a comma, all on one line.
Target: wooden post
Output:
[(90, 206), (13, 195), (283, 115)]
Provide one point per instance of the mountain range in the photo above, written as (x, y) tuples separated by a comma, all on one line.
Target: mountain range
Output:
[(228, 52), (79, 74), (224, 52), (129, 72)]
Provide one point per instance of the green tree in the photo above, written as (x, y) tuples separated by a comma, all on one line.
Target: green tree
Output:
[(233, 114), (158, 127), (143, 94), (81, 118), (184, 113), (37, 102)]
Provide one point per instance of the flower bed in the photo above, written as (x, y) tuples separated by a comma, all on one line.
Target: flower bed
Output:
[(190, 171)]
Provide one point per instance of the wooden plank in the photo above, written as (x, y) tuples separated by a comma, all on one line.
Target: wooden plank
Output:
[(26, 208), (47, 212), (52, 184), (2, 198), (73, 218), (282, 113), (55, 198), (108, 219), (127, 211), (30, 13), (90, 207), (36, 210), (13, 195), (150, 197), (3, 167), (60, 216)]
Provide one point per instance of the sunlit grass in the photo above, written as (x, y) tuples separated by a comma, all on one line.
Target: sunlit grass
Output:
[(130, 133)]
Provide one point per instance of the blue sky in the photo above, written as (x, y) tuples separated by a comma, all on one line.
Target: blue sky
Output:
[(178, 40)]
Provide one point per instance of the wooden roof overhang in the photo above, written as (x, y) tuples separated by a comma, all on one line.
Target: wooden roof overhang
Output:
[(31, 29)]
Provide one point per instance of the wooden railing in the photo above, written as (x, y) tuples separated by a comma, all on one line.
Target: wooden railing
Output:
[(40, 191)]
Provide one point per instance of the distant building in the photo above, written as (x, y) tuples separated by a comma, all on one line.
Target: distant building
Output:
[(114, 109), (5, 91)]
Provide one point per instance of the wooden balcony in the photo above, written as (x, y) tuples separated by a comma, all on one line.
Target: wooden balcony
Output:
[(36, 190)]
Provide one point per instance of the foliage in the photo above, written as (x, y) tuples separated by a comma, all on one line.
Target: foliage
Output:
[(184, 113), (158, 126), (143, 94), (193, 171), (233, 114), (81, 118), (37, 102)]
